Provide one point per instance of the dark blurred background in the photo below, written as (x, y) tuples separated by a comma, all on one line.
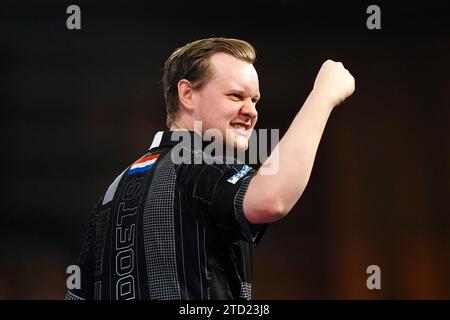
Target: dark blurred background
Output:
[(78, 106)]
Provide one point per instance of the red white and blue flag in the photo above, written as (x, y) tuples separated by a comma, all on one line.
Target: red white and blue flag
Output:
[(143, 164)]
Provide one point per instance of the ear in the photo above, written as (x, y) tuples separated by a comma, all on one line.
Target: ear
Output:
[(185, 92)]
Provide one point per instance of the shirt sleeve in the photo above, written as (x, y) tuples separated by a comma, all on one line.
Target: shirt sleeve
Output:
[(219, 189)]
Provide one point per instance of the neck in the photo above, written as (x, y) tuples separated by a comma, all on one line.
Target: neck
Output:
[(182, 122)]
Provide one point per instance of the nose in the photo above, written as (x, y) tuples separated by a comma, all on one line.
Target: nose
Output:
[(249, 109)]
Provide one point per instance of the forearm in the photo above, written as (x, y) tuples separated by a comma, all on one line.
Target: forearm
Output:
[(297, 151), (284, 175)]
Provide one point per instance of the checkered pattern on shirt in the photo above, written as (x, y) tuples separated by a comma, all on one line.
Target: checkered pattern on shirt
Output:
[(159, 233)]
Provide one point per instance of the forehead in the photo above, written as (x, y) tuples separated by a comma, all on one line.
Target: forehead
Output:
[(229, 72)]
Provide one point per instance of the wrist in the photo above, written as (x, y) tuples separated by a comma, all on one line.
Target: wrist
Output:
[(320, 99)]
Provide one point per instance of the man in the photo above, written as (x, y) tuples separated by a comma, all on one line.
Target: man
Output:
[(170, 229)]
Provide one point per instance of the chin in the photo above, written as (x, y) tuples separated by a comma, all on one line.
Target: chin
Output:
[(241, 144), (238, 143)]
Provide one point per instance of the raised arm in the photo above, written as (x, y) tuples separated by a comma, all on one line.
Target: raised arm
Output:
[(271, 195)]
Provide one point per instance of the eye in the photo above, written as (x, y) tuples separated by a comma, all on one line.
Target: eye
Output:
[(235, 96)]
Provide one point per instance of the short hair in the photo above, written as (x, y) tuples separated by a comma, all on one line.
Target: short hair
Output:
[(191, 62)]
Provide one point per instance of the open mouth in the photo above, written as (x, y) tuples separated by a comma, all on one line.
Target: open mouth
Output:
[(240, 126)]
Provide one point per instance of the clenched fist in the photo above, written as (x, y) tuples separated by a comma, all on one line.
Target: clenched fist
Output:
[(334, 83)]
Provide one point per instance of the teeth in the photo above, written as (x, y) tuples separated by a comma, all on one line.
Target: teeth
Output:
[(238, 126)]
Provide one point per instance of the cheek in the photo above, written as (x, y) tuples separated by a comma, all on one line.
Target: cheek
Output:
[(220, 110), (215, 111)]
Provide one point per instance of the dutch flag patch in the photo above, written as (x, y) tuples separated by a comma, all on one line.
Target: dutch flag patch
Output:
[(143, 164)]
